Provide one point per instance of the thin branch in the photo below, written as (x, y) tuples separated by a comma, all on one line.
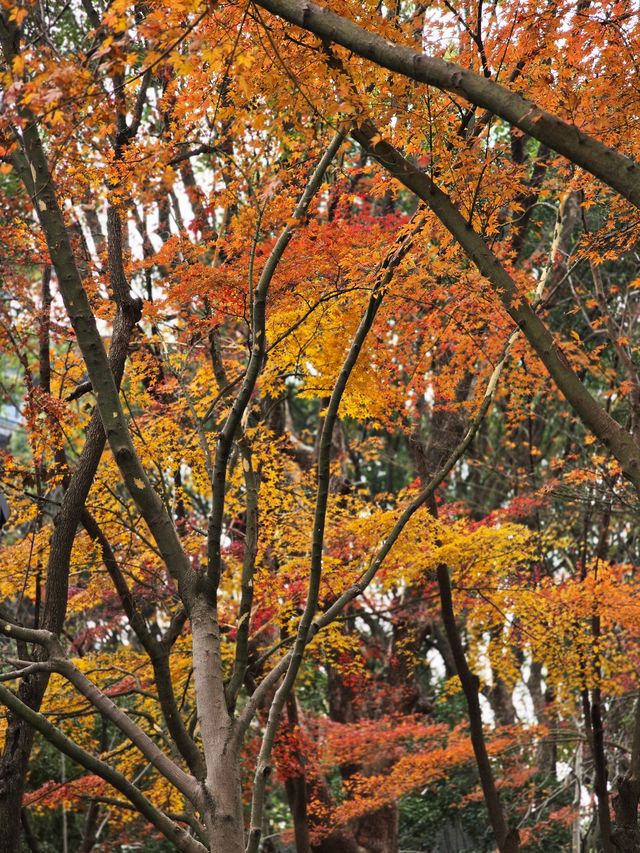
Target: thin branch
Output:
[(357, 589), (230, 427), (383, 278)]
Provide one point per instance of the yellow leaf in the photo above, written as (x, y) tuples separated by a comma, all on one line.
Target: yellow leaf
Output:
[(18, 15), (18, 63)]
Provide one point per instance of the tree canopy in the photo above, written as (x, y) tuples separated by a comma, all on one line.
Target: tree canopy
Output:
[(319, 426)]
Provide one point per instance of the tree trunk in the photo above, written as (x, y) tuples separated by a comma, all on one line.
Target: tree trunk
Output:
[(221, 791), (14, 765), (546, 755), (378, 831), (626, 836), (224, 819)]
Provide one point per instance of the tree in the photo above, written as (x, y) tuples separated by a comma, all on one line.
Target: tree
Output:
[(282, 260)]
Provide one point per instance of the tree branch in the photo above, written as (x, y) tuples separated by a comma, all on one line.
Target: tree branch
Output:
[(383, 278), (228, 431), (58, 662), (594, 416), (158, 652), (33, 169), (178, 836), (619, 172), (251, 480), (356, 590)]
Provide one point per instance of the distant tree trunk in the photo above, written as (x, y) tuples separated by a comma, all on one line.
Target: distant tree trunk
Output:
[(296, 787), (378, 831), (626, 836), (501, 702), (546, 756)]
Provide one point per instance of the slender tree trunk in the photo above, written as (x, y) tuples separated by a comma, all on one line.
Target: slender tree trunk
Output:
[(546, 755), (576, 834), (296, 786), (507, 838)]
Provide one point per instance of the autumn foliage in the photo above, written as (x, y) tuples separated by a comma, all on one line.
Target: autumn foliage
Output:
[(320, 426)]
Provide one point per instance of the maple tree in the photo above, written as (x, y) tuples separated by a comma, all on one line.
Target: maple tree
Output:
[(321, 327)]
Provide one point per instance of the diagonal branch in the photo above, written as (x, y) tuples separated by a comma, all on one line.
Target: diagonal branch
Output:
[(621, 173), (157, 651), (174, 774), (33, 169), (586, 407), (405, 516), (172, 831), (58, 662)]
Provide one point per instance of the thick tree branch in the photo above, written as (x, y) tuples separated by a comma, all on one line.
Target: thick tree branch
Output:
[(174, 774), (178, 836), (181, 817), (18, 739), (594, 416), (33, 168), (621, 173)]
